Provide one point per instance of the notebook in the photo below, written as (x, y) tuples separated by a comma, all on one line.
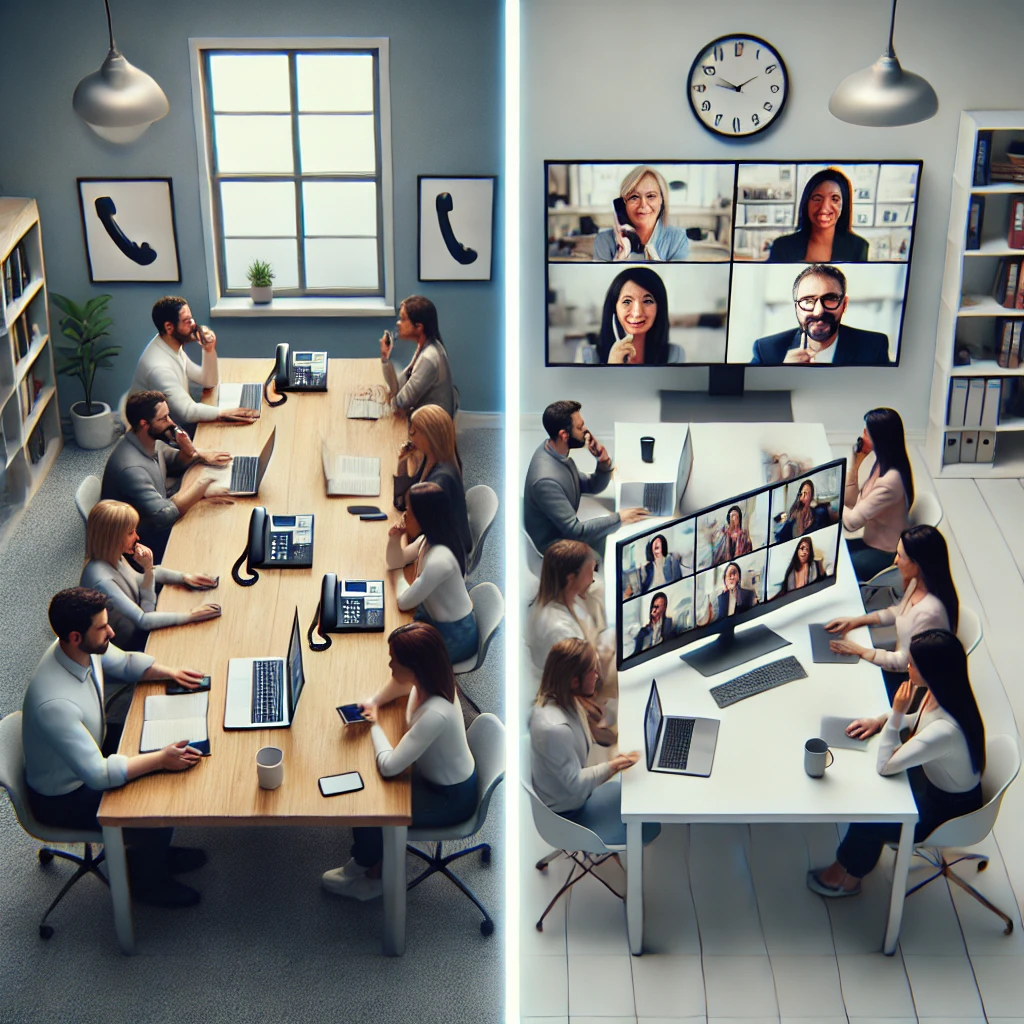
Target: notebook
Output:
[(173, 719), (350, 475)]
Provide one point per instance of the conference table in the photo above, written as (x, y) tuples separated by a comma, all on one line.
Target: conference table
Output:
[(758, 771), (222, 789)]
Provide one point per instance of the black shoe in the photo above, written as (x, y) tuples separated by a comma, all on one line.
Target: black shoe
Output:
[(168, 893), (181, 859)]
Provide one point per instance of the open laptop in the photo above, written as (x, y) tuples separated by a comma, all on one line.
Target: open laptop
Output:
[(680, 746), (660, 498), (264, 692), (240, 396), (244, 473)]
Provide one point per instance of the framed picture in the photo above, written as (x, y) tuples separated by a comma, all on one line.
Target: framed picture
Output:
[(456, 228), (128, 224)]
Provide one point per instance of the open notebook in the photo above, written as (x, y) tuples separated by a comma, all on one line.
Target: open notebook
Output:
[(350, 475), (172, 719)]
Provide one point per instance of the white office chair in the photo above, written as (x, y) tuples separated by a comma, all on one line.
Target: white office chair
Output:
[(12, 778), (87, 495), (1002, 763), (121, 414), (968, 630), (534, 557), (486, 738), (481, 507), (489, 609), (926, 510)]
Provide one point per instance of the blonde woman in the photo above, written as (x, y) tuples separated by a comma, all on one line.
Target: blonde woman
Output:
[(110, 534), (645, 193)]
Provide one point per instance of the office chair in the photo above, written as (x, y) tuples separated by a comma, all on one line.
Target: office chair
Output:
[(534, 557), (926, 510), (968, 630), (489, 609), (12, 778), (481, 507), (486, 738), (87, 495)]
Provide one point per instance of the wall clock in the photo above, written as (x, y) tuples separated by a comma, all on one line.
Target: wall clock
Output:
[(738, 86)]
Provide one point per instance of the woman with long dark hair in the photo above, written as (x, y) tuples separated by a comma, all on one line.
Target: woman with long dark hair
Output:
[(634, 323), (428, 377), (802, 568), (944, 755), (823, 232), (803, 516), (882, 505)]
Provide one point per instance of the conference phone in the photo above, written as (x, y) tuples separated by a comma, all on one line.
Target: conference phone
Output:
[(347, 606), (275, 542), (296, 371)]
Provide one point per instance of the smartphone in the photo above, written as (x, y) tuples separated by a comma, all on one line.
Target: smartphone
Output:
[(373, 517), (334, 785), (859, 446), (389, 339), (351, 713), (362, 510), (172, 689)]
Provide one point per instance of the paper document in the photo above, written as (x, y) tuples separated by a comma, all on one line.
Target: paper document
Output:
[(172, 719), (351, 475)]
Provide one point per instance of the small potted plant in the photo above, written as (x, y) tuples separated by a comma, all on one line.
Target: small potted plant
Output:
[(92, 422), (261, 281)]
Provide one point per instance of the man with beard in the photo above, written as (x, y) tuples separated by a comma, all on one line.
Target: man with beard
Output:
[(71, 755), (554, 484), (164, 366), (819, 295)]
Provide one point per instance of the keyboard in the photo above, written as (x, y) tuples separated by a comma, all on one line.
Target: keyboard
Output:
[(658, 498), (675, 746), (767, 677), (252, 397), (267, 690), (243, 474)]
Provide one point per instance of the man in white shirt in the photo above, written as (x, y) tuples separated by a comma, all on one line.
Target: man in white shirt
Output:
[(164, 366), (70, 754)]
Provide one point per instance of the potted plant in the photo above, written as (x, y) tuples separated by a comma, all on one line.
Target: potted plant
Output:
[(261, 281), (84, 326)]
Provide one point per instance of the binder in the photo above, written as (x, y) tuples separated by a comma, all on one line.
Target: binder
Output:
[(986, 446), (1015, 234), (969, 446), (957, 401), (951, 451), (975, 403), (975, 217), (993, 395), (1013, 359)]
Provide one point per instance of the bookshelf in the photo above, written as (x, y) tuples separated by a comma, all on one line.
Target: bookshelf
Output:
[(969, 316), (30, 432)]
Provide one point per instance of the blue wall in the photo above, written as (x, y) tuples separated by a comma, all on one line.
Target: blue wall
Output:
[(446, 116)]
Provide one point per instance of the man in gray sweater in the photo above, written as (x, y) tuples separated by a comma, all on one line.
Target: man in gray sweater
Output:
[(554, 485)]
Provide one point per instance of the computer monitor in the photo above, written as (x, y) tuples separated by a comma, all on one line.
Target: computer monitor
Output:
[(709, 572)]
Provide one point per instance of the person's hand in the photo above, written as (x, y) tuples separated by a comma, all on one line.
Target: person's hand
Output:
[(621, 762), (397, 529), (239, 415), (369, 711), (628, 592), (184, 442), (209, 458), (862, 728), (622, 246), (847, 647), (176, 757), (199, 581), (799, 355), (186, 677), (632, 515), (840, 626), (205, 611), (405, 449), (144, 556), (386, 344), (207, 338), (218, 496), (622, 352), (904, 695), (595, 447)]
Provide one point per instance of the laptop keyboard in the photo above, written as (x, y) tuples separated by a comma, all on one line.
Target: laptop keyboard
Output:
[(675, 746), (243, 474), (267, 691), (658, 497), (766, 677), (252, 396)]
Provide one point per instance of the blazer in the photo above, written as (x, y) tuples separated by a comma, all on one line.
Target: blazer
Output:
[(744, 600), (447, 476), (643, 638), (854, 347), (673, 572), (427, 380), (848, 248)]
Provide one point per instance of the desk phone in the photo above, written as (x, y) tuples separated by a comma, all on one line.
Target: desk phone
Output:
[(275, 542), (297, 371), (351, 606)]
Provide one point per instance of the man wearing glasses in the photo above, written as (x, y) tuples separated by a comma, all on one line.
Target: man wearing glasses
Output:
[(820, 300)]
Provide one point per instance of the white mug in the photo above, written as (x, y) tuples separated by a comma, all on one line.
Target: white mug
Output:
[(270, 767), (815, 752)]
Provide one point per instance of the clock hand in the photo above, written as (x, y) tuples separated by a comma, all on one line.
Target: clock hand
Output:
[(727, 85), (747, 82)]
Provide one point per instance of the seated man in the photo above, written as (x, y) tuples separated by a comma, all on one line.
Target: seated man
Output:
[(164, 366), (70, 754), (820, 300), (554, 485), (142, 467)]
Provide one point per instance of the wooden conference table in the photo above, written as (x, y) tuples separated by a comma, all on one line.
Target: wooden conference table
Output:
[(256, 621), (758, 773)]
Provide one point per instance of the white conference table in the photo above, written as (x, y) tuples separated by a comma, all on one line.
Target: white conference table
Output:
[(758, 773)]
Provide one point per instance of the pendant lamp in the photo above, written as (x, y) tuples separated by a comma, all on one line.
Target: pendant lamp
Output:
[(884, 95), (119, 102)]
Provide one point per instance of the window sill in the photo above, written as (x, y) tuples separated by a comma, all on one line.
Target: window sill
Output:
[(238, 306)]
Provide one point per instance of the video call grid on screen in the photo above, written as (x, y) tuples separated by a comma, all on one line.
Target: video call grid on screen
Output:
[(725, 281), (692, 584)]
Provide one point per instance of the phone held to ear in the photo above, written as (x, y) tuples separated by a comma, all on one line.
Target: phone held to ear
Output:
[(173, 689), (622, 220), (334, 785), (351, 714), (859, 446)]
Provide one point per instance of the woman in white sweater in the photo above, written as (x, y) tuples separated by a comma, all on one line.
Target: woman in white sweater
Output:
[(929, 602), (444, 784), (110, 534), (439, 592), (944, 756)]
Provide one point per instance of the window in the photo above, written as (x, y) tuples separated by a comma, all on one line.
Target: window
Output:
[(295, 155)]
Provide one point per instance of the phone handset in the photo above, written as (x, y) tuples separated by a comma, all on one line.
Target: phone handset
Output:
[(279, 375), (443, 206), (255, 549), (326, 615)]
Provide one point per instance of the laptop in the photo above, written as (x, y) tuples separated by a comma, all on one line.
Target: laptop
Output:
[(240, 396), (677, 745), (821, 652), (244, 473), (264, 692), (660, 498)]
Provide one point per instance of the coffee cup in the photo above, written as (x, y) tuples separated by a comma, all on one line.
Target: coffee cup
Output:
[(270, 767), (815, 753), (647, 449)]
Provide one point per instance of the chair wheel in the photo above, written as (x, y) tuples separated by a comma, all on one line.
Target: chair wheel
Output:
[(46, 931), (44, 858), (487, 927), (982, 864), (485, 855), (1009, 928), (540, 926)]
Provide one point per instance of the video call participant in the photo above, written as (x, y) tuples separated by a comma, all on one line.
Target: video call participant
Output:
[(734, 597), (662, 566), (944, 758), (551, 499), (803, 568), (444, 782), (634, 324), (143, 468), (71, 755), (881, 506), (929, 602), (164, 365), (820, 300), (823, 231), (645, 193), (659, 626), (427, 380), (804, 516), (733, 539)]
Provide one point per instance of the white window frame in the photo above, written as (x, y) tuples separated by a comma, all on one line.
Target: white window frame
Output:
[(311, 305)]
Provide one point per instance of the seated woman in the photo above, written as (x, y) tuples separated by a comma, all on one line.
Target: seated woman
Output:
[(444, 784), (560, 745), (432, 456), (634, 322), (110, 534), (929, 602), (427, 380), (945, 756), (645, 193), (661, 567), (823, 231), (733, 539), (881, 506), (439, 591), (802, 569), (659, 626), (804, 516)]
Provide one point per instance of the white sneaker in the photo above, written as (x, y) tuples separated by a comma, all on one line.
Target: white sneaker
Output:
[(353, 869), (357, 887)]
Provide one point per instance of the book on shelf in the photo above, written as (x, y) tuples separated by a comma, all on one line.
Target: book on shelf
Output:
[(975, 218), (26, 273), (982, 158), (1004, 341), (1015, 232), (1015, 343), (36, 446), (1005, 172), (1007, 282)]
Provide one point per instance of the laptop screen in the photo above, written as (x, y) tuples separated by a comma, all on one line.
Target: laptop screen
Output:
[(296, 678), (268, 450), (652, 724)]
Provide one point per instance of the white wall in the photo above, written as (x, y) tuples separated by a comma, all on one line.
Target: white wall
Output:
[(606, 79)]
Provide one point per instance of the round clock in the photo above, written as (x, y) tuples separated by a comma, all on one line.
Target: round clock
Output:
[(738, 86)]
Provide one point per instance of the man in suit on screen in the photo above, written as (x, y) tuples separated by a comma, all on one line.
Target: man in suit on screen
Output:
[(820, 300)]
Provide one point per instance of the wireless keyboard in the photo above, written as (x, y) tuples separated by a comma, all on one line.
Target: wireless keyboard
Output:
[(243, 474), (767, 677), (266, 691), (675, 747)]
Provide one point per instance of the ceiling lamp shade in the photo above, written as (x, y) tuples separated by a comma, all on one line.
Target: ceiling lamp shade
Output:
[(884, 95), (119, 102)]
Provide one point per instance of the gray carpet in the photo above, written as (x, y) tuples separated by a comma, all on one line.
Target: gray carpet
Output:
[(266, 943)]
